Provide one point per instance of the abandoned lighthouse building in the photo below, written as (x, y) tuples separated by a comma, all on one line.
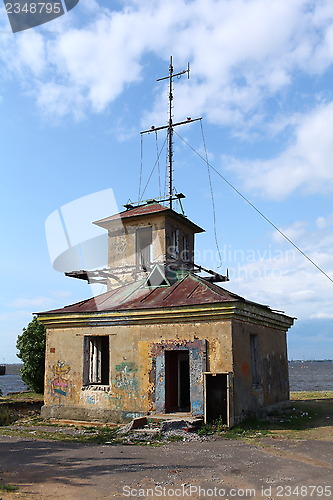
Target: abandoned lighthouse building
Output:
[(162, 339)]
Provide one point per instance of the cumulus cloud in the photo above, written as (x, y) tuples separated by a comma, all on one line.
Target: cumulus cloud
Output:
[(24, 302), (304, 166), (244, 53), (283, 278)]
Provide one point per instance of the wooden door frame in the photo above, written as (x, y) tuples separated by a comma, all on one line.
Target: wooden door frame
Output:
[(230, 412)]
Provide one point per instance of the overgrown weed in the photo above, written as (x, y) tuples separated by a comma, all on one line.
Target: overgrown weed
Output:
[(7, 416)]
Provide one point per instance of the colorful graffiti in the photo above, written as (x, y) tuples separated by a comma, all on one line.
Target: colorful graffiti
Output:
[(60, 384), (126, 386), (126, 376)]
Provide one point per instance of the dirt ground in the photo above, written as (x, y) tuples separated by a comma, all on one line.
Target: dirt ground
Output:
[(286, 464), (222, 468)]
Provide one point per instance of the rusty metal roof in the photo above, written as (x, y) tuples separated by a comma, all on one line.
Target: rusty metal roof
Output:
[(191, 290), (136, 211), (145, 210)]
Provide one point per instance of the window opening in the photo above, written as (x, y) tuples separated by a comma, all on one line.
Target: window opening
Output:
[(186, 252), (174, 250), (98, 359), (144, 239)]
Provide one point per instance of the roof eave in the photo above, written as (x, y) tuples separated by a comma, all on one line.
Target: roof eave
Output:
[(114, 219), (219, 311)]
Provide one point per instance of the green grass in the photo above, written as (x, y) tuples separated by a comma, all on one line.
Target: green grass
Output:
[(305, 412), (8, 487), (309, 416), (248, 428), (22, 396)]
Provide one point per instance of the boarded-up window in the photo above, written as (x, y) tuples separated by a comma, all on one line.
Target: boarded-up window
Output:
[(144, 238), (254, 347), (97, 360)]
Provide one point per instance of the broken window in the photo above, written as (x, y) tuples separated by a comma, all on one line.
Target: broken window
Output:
[(174, 247), (254, 347), (144, 238), (97, 360), (186, 251)]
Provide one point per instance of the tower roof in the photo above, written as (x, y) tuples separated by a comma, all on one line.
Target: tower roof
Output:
[(146, 211)]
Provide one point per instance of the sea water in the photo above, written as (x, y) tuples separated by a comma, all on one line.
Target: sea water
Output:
[(303, 376), (12, 382), (311, 375)]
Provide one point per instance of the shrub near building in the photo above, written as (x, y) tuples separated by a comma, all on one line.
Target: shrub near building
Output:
[(31, 347)]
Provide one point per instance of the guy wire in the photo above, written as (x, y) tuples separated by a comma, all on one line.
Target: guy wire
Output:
[(258, 211), (212, 196), (141, 167), (158, 166), (151, 173)]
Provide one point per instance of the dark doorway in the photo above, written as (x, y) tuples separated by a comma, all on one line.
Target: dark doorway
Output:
[(216, 397), (177, 381)]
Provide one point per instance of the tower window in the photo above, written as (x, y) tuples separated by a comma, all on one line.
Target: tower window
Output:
[(174, 250), (144, 238), (186, 251)]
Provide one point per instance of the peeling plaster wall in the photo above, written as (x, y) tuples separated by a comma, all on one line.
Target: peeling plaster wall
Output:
[(273, 386), (122, 245), (137, 372), (122, 242), (133, 351)]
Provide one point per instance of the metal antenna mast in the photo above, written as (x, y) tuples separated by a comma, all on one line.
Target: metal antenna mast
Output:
[(171, 125)]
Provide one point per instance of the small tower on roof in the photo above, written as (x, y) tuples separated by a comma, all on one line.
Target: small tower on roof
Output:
[(151, 242)]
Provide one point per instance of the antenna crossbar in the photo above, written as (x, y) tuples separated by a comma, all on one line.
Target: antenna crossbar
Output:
[(171, 125), (156, 129), (177, 74)]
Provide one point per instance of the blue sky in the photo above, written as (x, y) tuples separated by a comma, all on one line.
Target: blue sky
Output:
[(76, 92)]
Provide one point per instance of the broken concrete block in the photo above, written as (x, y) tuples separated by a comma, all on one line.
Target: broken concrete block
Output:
[(136, 423), (172, 425)]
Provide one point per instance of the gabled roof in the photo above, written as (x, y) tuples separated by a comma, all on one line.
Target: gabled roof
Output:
[(191, 290), (146, 210)]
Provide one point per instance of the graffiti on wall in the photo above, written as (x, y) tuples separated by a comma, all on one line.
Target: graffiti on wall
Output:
[(95, 398), (61, 387), (126, 386), (126, 376)]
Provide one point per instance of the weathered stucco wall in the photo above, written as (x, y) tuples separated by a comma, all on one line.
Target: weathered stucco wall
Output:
[(219, 338), (122, 244), (272, 384), (132, 377), (122, 241)]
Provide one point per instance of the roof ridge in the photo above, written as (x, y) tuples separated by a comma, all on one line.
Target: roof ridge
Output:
[(215, 288), (174, 286)]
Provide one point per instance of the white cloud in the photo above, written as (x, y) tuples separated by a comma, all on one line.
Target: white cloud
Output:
[(25, 302), (243, 53), (285, 279), (305, 165), (293, 232)]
